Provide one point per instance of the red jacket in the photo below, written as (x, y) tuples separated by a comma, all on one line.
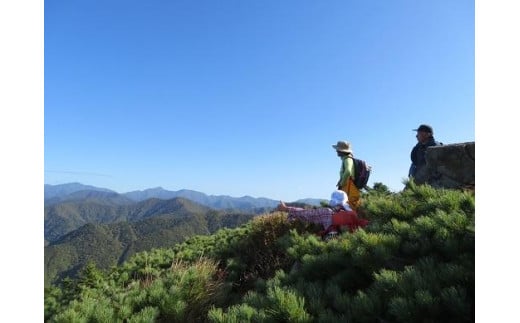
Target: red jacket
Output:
[(347, 218)]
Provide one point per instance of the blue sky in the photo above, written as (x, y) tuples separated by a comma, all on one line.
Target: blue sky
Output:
[(246, 97)]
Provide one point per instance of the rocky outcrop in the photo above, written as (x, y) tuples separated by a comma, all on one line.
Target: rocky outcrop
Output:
[(449, 166)]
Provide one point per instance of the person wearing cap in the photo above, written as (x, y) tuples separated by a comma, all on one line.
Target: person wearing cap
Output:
[(346, 174), (338, 216), (425, 139)]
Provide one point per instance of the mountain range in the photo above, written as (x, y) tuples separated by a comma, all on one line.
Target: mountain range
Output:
[(70, 206)]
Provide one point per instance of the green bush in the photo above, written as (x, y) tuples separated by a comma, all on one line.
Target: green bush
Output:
[(414, 262)]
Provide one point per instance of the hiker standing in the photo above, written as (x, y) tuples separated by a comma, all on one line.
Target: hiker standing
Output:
[(425, 139), (346, 174)]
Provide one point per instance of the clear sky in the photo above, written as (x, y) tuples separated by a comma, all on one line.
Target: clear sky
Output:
[(246, 97)]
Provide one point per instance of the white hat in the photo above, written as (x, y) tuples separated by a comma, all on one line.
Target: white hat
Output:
[(339, 197)]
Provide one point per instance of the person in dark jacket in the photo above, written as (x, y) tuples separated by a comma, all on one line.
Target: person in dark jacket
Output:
[(425, 139)]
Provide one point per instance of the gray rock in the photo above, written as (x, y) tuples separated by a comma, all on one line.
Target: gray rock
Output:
[(449, 166)]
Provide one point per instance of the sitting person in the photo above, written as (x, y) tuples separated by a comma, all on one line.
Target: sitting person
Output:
[(333, 218)]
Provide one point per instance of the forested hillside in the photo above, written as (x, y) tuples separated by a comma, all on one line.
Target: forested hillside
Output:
[(414, 262), (111, 244), (64, 217)]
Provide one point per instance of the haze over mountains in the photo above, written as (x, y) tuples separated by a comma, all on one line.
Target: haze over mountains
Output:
[(62, 192)]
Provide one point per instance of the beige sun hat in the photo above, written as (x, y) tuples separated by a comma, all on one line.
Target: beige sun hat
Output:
[(342, 146)]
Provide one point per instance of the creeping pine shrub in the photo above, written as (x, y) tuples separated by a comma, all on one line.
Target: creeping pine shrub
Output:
[(414, 262), (278, 305), (147, 314), (182, 293), (53, 297), (238, 313), (416, 255), (256, 250)]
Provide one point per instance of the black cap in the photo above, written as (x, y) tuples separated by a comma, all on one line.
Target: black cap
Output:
[(425, 128)]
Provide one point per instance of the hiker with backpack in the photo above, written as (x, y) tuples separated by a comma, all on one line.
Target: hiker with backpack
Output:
[(425, 139), (353, 174), (334, 218)]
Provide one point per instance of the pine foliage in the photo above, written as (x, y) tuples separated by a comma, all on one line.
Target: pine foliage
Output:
[(414, 262)]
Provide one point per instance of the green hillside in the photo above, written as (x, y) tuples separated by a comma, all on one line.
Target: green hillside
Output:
[(414, 262), (65, 217), (108, 245)]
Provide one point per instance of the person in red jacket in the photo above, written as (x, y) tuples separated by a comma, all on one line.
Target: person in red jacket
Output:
[(337, 216)]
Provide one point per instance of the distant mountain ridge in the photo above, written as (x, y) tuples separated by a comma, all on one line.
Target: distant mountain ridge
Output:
[(214, 201), (62, 192)]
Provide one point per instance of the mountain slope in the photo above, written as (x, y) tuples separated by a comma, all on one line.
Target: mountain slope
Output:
[(52, 191), (102, 197), (111, 244), (64, 217)]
